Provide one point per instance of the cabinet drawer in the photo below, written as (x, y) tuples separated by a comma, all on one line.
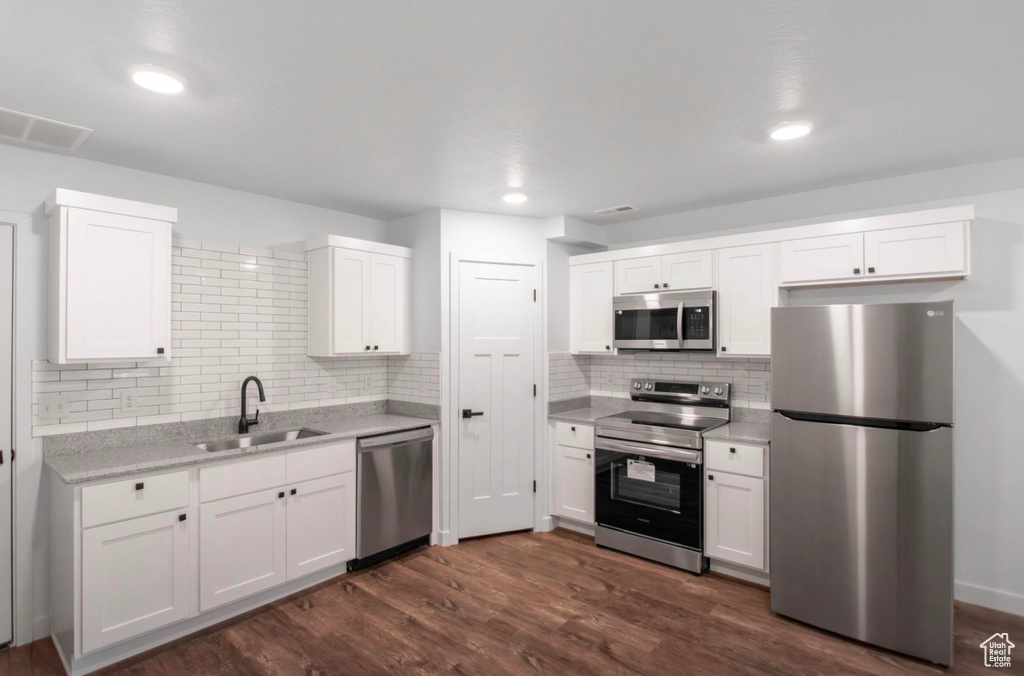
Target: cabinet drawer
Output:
[(573, 434), (131, 498), (724, 456), (239, 478), (315, 463)]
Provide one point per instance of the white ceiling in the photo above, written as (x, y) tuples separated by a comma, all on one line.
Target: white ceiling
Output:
[(388, 108)]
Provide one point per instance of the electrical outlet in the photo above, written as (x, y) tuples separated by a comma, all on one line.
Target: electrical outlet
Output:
[(53, 406), (127, 401), (368, 381)]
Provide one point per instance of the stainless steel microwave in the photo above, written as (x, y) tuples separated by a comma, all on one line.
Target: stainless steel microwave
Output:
[(665, 321)]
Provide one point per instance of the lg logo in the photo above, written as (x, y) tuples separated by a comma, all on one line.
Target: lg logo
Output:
[(936, 313)]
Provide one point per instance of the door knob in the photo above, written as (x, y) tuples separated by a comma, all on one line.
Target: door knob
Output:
[(470, 413)]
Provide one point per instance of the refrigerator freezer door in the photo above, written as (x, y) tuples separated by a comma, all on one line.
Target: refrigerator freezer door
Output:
[(892, 362), (861, 533)]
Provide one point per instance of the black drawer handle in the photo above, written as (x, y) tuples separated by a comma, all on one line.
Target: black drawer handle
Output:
[(182, 517), (607, 347), (732, 450), (573, 428), (281, 494), (856, 271), (657, 286), (139, 486), (367, 347), (159, 350), (664, 286), (588, 456), (376, 346), (294, 491), (871, 270), (723, 348), (711, 477)]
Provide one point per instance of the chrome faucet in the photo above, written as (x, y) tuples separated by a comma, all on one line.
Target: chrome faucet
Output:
[(244, 423)]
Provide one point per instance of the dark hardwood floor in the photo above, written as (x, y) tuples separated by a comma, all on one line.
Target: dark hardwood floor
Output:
[(549, 603)]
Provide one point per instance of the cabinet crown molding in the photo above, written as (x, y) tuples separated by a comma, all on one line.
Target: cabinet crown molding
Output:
[(62, 197), (337, 241)]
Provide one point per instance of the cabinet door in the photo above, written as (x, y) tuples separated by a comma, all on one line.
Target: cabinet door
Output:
[(918, 250), (690, 270), (734, 518), (350, 301), (321, 524), (574, 484), (118, 303), (135, 578), (746, 295), (241, 546), (821, 259), (590, 309), (638, 275), (387, 302)]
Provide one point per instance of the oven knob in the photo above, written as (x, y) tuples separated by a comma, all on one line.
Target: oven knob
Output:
[(637, 385), (648, 386), (718, 391), (705, 389)]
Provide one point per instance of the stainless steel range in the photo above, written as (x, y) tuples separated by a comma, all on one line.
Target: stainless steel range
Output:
[(649, 474)]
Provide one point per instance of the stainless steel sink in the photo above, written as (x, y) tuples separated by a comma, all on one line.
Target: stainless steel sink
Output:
[(258, 440)]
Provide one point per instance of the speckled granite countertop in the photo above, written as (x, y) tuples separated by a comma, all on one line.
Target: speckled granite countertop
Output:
[(741, 433), (598, 408), (107, 459)]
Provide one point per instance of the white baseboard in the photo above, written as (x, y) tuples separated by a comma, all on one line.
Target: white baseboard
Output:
[(546, 523), (40, 627), (577, 526), (446, 538), (1008, 602), (739, 572)]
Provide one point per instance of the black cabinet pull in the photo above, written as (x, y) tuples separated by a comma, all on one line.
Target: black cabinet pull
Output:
[(588, 456), (573, 429), (664, 285), (159, 350), (376, 346), (607, 347), (182, 517), (139, 486), (732, 450), (856, 271), (711, 477), (871, 270), (281, 494), (470, 413), (294, 491), (367, 347), (723, 348), (657, 286)]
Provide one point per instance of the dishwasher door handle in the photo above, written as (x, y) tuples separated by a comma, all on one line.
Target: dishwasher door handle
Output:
[(412, 436)]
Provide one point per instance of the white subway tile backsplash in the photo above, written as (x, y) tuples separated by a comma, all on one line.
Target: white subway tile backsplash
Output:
[(235, 312)]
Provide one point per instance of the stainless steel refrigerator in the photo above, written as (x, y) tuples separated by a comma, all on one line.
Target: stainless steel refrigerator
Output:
[(861, 502)]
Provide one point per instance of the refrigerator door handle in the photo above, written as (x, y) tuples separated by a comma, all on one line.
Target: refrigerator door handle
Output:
[(898, 425)]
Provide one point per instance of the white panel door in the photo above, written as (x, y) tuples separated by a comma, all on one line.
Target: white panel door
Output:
[(118, 286), (350, 295), (919, 250), (387, 302), (135, 577), (690, 270), (590, 308), (638, 275), (321, 524), (496, 352), (734, 519), (821, 259), (241, 546), (6, 433), (746, 295), (574, 484)]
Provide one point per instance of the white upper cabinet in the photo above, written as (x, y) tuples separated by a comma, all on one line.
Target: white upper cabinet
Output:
[(746, 295), (673, 272), (590, 295), (685, 271), (358, 297), (921, 250), (110, 279), (819, 259), (638, 275)]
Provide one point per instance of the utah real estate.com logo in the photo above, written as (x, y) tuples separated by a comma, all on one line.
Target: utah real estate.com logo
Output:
[(997, 649)]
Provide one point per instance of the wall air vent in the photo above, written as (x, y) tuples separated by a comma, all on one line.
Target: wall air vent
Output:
[(615, 210), (39, 131)]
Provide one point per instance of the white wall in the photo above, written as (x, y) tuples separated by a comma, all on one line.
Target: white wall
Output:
[(206, 212), (422, 234), (989, 539)]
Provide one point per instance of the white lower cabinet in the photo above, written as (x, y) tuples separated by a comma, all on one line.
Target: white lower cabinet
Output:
[(241, 547), (321, 524), (735, 504), (572, 486), (139, 554), (135, 577)]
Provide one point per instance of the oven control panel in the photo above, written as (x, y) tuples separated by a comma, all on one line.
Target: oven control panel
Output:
[(658, 390)]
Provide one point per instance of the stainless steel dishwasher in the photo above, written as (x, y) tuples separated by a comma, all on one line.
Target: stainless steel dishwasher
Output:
[(395, 492)]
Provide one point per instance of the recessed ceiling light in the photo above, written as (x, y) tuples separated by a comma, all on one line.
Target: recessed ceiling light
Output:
[(787, 131), (157, 79), (514, 196)]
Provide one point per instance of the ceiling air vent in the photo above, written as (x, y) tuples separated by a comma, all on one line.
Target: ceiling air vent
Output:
[(615, 210), (25, 128)]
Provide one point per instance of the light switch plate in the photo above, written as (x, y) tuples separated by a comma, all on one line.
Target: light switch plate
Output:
[(54, 405)]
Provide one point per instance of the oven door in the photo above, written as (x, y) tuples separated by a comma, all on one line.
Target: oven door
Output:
[(654, 492)]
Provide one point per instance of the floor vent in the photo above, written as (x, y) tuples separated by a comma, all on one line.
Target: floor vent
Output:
[(615, 210), (39, 131)]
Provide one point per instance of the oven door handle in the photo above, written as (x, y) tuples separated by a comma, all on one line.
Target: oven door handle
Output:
[(638, 449), (679, 324)]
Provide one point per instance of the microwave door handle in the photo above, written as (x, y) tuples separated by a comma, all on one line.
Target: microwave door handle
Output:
[(679, 324)]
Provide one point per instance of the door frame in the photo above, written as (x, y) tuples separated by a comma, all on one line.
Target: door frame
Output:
[(450, 503)]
